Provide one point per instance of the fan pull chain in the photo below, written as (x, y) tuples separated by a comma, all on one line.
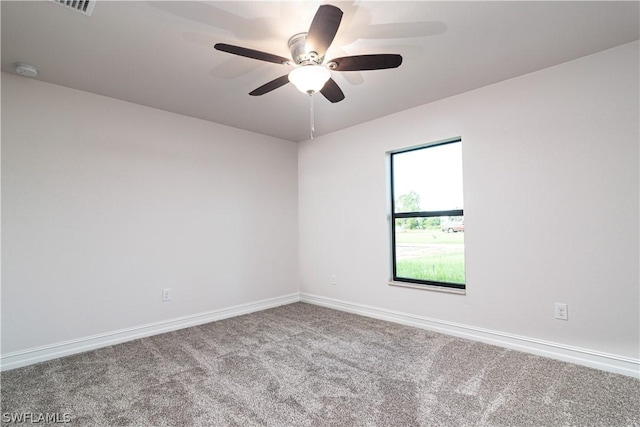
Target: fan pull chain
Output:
[(311, 119)]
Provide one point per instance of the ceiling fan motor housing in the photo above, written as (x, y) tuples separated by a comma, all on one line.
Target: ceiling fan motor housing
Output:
[(298, 48)]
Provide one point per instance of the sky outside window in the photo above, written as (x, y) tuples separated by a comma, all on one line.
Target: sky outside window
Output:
[(434, 174)]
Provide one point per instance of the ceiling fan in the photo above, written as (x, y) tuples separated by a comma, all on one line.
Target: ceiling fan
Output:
[(311, 74)]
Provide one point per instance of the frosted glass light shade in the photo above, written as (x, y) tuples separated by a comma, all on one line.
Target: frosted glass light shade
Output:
[(309, 78)]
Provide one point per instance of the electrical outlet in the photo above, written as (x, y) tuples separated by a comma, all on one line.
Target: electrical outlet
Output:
[(333, 280), (166, 295), (561, 311)]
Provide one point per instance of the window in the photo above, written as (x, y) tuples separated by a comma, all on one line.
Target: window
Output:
[(427, 215)]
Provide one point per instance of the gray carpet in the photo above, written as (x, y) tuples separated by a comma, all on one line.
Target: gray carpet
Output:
[(304, 365)]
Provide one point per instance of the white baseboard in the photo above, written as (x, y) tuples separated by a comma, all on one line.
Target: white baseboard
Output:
[(581, 356), (591, 358), (53, 351)]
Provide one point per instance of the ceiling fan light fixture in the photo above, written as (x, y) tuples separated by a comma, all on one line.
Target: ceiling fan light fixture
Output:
[(309, 79), (308, 51)]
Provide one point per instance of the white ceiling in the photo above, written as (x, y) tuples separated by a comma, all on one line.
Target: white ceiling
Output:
[(161, 54)]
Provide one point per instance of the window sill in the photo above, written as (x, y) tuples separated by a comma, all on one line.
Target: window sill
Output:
[(428, 288)]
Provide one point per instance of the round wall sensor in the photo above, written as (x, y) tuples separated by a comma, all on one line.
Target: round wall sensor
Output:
[(26, 70)]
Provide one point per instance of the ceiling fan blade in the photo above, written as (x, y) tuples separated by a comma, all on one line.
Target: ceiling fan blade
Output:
[(323, 29), (250, 53), (268, 87), (365, 62), (332, 91)]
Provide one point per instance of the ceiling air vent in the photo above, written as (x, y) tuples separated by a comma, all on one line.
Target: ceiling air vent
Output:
[(83, 6)]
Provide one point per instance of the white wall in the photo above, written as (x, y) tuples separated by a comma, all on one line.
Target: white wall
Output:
[(105, 203), (551, 205)]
